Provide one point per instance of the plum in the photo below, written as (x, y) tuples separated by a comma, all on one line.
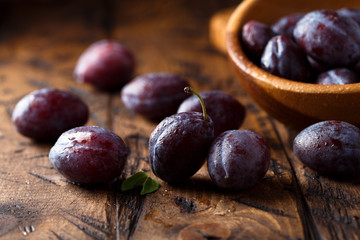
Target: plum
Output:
[(330, 147), (105, 64), (238, 159), (89, 155), (226, 112), (155, 95), (46, 113)]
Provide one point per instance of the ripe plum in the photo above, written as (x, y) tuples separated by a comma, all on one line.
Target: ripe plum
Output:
[(105, 64), (226, 112), (338, 76), (255, 36), (179, 144), (330, 148), (238, 159), (282, 57), (89, 155), (286, 24), (354, 13), (46, 113), (329, 38), (155, 95)]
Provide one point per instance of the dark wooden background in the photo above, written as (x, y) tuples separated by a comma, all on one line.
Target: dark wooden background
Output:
[(40, 42)]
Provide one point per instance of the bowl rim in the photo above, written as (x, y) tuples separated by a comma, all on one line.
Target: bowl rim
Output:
[(237, 55)]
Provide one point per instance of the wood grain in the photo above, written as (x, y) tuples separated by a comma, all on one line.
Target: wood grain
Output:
[(173, 210), (333, 204), (39, 46)]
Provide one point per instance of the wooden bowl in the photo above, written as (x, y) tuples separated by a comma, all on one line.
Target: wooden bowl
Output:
[(296, 104)]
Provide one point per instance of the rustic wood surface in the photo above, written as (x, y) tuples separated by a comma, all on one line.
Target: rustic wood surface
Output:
[(40, 42)]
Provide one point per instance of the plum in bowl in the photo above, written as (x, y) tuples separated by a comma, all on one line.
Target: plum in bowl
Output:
[(295, 103)]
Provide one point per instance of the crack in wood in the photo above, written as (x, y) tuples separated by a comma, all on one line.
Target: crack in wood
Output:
[(337, 232), (263, 208), (96, 223), (329, 193), (129, 210), (87, 231), (133, 141), (14, 181), (309, 227), (344, 219), (83, 186), (59, 236), (129, 204), (19, 150), (43, 178), (46, 167), (37, 156)]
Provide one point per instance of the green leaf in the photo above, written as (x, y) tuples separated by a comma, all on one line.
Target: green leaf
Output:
[(150, 185), (136, 180)]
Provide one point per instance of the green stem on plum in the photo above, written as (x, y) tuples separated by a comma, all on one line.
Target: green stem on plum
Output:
[(190, 90)]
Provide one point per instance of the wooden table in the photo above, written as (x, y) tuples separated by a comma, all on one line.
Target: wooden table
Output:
[(40, 42)]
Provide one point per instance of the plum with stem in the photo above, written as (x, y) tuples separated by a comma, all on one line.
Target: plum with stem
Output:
[(226, 111), (179, 144)]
